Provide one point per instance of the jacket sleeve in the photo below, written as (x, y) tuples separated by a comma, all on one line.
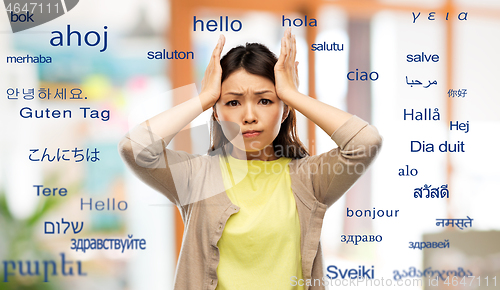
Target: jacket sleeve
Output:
[(165, 170), (334, 172)]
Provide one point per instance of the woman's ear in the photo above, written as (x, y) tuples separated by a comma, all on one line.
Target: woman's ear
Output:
[(286, 111), (215, 114)]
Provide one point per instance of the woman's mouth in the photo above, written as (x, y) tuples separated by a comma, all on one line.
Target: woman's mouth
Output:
[(251, 134)]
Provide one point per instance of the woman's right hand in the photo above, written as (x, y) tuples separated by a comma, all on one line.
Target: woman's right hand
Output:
[(211, 83)]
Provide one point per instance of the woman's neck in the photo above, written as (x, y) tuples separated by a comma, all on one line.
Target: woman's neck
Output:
[(266, 154)]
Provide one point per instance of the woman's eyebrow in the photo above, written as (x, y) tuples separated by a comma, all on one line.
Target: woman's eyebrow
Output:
[(239, 94), (263, 92)]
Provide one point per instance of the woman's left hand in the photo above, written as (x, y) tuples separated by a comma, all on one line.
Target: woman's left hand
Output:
[(285, 70)]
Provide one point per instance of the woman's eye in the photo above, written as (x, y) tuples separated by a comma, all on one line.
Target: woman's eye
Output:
[(234, 103)]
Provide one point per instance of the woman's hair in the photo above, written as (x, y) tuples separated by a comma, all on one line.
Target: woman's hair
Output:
[(257, 59)]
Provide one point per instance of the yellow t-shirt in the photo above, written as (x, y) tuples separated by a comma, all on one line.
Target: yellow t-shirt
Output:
[(260, 244)]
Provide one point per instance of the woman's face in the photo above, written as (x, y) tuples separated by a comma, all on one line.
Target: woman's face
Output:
[(249, 101)]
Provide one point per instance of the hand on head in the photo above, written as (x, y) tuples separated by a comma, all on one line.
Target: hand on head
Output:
[(211, 83), (286, 69)]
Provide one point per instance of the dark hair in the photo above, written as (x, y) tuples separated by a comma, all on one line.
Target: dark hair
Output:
[(257, 59)]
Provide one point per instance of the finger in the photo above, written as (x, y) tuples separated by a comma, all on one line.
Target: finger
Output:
[(212, 64), (212, 57), (281, 59), (209, 66), (222, 41), (297, 72), (217, 48), (283, 46), (290, 57), (287, 45), (289, 38), (208, 72), (294, 48)]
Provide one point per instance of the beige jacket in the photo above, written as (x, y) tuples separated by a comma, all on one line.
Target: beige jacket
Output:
[(194, 183)]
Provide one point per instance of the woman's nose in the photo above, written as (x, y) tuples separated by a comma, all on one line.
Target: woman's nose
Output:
[(249, 116)]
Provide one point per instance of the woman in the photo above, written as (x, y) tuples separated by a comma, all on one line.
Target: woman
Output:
[(254, 206)]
